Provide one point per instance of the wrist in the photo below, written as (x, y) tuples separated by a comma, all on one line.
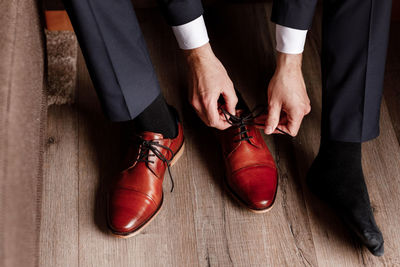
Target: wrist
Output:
[(198, 54), (288, 62)]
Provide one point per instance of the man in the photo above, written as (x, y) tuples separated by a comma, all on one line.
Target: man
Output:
[(125, 81), (355, 38), (354, 49)]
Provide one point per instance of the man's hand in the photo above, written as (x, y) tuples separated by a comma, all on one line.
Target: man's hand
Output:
[(208, 80), (288, 102)]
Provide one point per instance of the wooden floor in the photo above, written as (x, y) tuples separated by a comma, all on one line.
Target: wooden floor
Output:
[(200, 224)]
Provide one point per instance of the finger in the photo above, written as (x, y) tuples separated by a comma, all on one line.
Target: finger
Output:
[(274, 111), (281, 129), (201, 111), (213, 116), (294, 121), (195, 103), (260, 121), (230, 100)]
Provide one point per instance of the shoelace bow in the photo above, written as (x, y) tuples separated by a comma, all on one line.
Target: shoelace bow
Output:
[(246, 119), (147, 146)]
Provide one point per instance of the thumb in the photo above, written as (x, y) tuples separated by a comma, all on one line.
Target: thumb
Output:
[(274, 113), (230, 100)]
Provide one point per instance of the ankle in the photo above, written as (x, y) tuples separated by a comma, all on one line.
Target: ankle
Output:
[(340, 148)]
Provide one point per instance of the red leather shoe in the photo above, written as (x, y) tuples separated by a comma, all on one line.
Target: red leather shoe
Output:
[(137, 195), (251, 174)]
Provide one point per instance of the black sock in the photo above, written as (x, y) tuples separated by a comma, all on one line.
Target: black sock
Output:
[(158, 117), (336, 177)]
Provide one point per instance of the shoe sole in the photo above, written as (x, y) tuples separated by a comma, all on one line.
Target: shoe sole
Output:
[(242, 203), (137, 231)]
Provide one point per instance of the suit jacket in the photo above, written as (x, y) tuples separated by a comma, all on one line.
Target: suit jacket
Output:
[(296, 14), (178, 12)]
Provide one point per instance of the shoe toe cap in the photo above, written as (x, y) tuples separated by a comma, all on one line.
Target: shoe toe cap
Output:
[(129, 210), (256, 186), (373, 240), (259, 204)]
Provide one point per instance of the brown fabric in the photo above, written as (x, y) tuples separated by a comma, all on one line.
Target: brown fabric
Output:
[(57, 20), (22, 116), (62, 54)]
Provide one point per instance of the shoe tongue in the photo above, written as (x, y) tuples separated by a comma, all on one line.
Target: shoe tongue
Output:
[(151, 136)]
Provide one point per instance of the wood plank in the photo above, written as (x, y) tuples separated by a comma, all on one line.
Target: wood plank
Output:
[(200, 224), (59, 216), (179, 207), (22, 131), (381, 163), (98, 153)]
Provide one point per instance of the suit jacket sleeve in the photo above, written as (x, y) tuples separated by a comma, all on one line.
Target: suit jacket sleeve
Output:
[(296, 14), (178, 12)]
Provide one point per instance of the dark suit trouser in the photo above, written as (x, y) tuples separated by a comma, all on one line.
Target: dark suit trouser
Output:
[(115, 51), (354, 43)]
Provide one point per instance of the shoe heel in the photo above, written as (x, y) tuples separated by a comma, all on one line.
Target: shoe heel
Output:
[(178, 154)]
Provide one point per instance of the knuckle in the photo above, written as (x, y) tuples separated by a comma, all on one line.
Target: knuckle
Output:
[(212, 122), (273, 123), (273, 105), (216, 126), (294, 132), (273, 120), (221, 128), (235, 99), (273, 117), (195, 105), (228, 83), (308, 109), (193, 99), (206, 100)]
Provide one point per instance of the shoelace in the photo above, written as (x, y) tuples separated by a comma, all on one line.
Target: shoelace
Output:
[(148, 146), (246, 119), (236, 121)]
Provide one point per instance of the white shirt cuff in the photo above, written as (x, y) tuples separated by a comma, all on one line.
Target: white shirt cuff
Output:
[(192, 34), (289, 40)]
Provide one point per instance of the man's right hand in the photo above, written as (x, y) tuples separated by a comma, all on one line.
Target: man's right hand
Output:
[(208, 80), (288, 101)]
